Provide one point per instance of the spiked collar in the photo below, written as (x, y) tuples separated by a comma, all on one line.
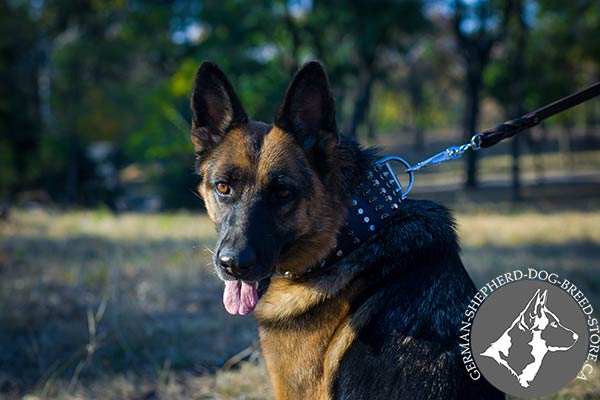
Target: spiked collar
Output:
[(374, 201)]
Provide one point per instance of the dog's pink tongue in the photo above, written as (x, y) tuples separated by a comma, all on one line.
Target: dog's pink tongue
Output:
[(240, 297)]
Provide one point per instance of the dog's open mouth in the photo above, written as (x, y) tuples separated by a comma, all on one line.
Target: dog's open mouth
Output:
[(240, 297)]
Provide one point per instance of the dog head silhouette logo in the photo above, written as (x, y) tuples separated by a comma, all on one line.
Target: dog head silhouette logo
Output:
[(545, 333), (529, 338)]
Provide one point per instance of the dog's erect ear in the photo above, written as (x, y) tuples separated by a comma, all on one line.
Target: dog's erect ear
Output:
[(215, 107), (530, 312), (308, 110), (540, 303)]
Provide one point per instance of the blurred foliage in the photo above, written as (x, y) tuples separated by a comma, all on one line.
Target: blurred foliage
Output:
[(560, 53), (76, 73)]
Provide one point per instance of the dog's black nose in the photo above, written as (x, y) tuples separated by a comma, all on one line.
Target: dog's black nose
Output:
[(237, 263)]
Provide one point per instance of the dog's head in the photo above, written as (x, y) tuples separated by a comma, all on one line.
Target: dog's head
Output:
[(537, 317), (270, 189)]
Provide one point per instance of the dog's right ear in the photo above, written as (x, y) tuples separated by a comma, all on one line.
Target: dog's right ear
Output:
[(540, 303), (216, 108)]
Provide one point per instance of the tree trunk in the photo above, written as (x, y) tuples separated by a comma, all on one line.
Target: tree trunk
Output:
[(415, 87), (516, 169), (295, 45), (371, 130), (45, 83), (419, 138), (590, 121), (565, 133), (518, 93), (72, 178), (362, 103), (470, 117), (535, 146)]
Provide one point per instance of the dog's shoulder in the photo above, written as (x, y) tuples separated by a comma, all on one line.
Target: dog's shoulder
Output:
[(420, 234), (426, 223)]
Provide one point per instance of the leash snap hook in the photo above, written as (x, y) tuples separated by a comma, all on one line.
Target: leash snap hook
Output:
[(475, 142)]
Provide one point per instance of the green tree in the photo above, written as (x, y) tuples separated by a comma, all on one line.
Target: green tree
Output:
[(19, 111)]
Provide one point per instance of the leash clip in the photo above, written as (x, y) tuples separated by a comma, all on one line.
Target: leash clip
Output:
[(451, 153)]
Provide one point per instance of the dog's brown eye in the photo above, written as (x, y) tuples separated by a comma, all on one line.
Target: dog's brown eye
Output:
[(223, 188), (283, 194)]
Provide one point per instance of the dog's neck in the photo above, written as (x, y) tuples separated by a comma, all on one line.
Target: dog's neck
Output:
[(372, 197), (539, 349)]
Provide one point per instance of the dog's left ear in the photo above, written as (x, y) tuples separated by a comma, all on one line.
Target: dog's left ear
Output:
[(308, 111)]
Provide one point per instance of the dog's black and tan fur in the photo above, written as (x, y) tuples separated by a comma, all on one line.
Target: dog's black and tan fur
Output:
[(382, 323)]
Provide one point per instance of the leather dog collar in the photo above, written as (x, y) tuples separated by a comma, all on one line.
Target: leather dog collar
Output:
[(375, 200)]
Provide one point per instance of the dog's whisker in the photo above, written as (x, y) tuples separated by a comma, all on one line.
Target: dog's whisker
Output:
[(195, 194)]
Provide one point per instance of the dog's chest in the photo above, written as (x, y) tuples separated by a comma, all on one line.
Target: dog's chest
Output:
[(302, 359)]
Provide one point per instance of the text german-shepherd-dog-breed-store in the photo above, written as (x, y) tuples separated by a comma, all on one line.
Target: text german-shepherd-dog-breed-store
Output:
[(358, 294)]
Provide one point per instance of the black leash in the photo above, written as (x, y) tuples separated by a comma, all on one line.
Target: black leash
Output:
[(510, 128), (506, 130), (379, 196)]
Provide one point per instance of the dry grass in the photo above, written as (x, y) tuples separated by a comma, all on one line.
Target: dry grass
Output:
[(94, 305), (58, 225), (528, 228)]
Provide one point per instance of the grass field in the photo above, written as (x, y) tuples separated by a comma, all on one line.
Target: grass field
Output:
[(94, 305)]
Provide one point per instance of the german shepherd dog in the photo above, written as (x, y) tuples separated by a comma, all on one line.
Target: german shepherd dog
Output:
[(383, 322)]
